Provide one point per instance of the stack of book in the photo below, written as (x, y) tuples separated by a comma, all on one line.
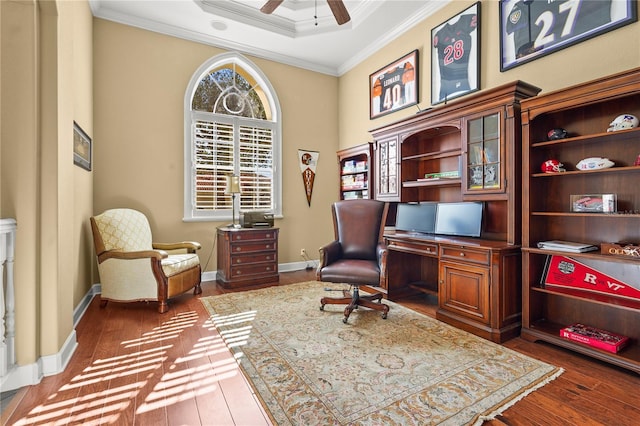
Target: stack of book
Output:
[(595, 337)]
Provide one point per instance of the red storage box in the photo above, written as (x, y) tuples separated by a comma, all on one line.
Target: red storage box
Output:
[(601, 339)]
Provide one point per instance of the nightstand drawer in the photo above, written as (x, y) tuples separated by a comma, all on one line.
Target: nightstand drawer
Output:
[(254, 235), (260, 269), (248, 259), (253, 247)]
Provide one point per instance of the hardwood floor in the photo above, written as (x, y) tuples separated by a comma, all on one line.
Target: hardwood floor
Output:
[(136, 367)]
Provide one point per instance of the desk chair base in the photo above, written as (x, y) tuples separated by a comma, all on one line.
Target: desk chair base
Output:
[(353, 300)]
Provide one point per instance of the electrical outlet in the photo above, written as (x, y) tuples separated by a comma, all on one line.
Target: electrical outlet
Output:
[(303, 252)]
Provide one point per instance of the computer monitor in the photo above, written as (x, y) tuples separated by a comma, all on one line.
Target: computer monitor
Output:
[(416, 217), (462, 219)]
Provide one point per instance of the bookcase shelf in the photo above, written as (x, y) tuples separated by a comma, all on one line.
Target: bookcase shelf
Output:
[(585, 111)]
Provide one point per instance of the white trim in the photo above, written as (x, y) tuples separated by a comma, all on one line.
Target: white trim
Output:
[(82, 307), (56, 363)]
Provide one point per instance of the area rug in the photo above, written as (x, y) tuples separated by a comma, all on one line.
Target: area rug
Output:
[(308, 368)]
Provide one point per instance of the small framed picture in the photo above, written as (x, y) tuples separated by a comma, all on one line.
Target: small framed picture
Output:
[(455, 56), (594, 203), (394, 87), (81, 147)]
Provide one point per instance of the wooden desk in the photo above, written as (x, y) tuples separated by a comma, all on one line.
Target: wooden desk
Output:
[(477, 281), (247, 256)]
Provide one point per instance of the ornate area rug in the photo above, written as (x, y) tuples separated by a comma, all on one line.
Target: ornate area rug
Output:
[(309, 368)]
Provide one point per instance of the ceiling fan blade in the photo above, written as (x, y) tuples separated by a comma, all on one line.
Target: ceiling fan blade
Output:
[(270, 6), (339, 11)]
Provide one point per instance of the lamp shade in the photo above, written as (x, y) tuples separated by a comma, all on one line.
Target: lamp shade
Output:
[(232, 185)]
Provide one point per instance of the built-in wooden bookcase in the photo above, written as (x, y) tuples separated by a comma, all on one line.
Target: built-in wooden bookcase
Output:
[(355, 171), (585, 111)]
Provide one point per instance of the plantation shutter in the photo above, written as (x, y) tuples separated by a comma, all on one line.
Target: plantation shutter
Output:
[(256, 168), (214, 159)]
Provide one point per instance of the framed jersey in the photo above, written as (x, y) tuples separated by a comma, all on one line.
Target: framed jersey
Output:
[(455, 56), (394, 87), (530, 29)]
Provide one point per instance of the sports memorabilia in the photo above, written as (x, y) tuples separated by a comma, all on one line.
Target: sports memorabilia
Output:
[(622, 122), (557, 133), (594, 163), (552, 166)]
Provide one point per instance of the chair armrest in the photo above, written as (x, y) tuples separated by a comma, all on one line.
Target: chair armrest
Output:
[(131, 255), (190, 246), (329, 254)]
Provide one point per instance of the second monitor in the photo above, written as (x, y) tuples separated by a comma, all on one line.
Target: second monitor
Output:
[(457, 219)]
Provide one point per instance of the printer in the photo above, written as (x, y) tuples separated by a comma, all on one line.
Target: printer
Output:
[(256, 220)]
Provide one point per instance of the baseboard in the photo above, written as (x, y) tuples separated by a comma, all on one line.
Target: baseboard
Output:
[(282, 267)]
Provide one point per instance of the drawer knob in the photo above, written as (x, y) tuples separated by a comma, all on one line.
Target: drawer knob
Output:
[(238, 260), (268, 246), (461, 254), (238, 249)]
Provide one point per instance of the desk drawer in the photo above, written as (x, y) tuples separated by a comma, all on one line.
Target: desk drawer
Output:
[(465, 254), (423, 249)]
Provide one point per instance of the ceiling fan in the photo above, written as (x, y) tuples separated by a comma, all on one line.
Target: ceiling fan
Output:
[(337, 8)]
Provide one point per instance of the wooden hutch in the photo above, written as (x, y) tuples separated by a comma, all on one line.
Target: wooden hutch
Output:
[(476, 140)]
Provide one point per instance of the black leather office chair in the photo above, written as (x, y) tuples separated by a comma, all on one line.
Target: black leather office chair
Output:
[(358, 256)]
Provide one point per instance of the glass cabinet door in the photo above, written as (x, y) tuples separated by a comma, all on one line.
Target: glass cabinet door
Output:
[(484, 163), (387, 173)]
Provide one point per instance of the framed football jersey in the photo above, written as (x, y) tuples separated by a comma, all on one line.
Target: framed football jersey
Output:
[(455, 56), (530, 29), (394, 87)]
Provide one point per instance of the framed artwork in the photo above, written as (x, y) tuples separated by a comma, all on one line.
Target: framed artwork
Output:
[(530, 29), (455, 56), (81, 148), (394, 87)]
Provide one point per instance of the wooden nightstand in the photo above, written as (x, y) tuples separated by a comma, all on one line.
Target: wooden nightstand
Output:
[(247, 256)]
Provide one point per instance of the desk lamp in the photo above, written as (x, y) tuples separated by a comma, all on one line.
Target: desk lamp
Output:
[(232, 188)]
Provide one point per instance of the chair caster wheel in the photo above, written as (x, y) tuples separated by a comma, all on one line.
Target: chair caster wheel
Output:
[(344, 320), (384, 316), (322, 307)]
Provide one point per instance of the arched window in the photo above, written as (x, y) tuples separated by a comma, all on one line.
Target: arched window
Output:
[(232, 127)]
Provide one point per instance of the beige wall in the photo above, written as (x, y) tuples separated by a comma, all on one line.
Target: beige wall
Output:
[(597, 57), (125, 87), (46, 85), (140, 78)]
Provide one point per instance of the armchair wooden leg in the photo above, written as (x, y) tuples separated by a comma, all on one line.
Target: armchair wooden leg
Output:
[(103, 303), (162, 306), (197, 289)]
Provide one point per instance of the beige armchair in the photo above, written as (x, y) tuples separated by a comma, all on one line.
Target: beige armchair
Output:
[(133, 268)]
